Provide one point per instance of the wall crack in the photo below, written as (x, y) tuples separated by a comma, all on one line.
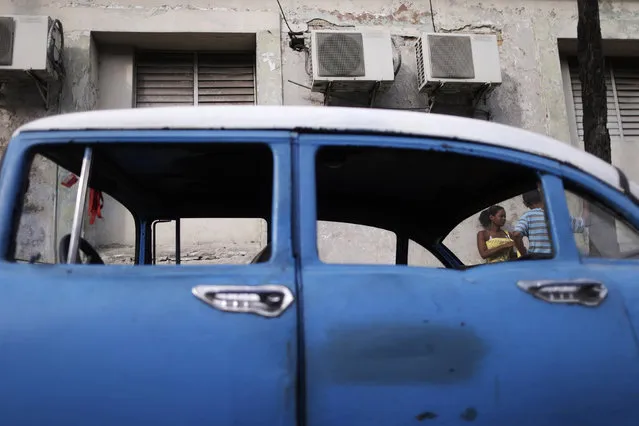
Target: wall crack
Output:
[(472, 28)]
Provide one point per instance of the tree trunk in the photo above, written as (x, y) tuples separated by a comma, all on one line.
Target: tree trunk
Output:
[(602, 233), (593, 82)]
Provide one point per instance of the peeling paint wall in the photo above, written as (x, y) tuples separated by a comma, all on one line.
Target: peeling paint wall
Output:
[(530, 97)]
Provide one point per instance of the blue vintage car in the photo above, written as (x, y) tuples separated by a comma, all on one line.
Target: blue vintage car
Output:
[(288, 337)]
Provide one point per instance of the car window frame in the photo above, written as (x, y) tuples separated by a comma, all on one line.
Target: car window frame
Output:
[(24, 144), (550, 172)]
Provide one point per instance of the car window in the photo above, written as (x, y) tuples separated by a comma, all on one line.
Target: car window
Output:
[(211, 241), (598, 231), (222, 194), (419, 256), (349, 243), (463, 243), (426, 195), (47, 212)]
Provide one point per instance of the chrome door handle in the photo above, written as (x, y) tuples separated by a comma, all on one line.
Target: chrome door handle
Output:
[(580, 291), (266, 300)]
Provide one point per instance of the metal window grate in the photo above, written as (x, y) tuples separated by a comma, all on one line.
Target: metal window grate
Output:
[(451, 56), (188, 78), (340, 54)]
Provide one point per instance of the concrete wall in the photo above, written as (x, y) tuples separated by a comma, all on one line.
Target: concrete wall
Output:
[(100, 73)]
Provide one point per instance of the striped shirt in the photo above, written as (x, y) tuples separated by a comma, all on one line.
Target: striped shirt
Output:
[(532, 224)]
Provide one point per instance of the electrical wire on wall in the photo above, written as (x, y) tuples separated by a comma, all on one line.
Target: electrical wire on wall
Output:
[(57, 61), (55, 54), (432, 15), (296, 42), (55, 48)]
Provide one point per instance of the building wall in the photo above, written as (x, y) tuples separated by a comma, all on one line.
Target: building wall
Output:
[(99, 72)]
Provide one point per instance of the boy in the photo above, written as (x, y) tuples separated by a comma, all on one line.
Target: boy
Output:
[(532, 224)]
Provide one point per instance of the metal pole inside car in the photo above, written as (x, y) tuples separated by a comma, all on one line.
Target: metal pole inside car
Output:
[(80, 205)]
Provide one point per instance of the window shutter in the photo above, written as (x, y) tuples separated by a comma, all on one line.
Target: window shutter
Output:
[(613, 122), (164, 79), (225, 78), (626, 79), (189, 78)]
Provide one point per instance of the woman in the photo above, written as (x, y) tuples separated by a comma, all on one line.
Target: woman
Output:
[(494, 244)]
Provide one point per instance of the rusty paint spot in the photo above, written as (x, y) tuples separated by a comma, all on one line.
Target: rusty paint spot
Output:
[(469, 414), (418, 17), (404, 14), (426, 415)]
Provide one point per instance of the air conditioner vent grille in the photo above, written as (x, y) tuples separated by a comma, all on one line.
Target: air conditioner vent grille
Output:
[(340, 54), (451, 57), (421, 78), (7, 31)]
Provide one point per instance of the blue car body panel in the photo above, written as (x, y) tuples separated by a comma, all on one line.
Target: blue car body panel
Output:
[(131, 345), (398, 344), (361, 344)]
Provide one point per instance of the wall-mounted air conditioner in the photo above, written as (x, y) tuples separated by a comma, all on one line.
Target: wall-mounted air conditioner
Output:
[(30, 46), (457, 62), (350, 60)]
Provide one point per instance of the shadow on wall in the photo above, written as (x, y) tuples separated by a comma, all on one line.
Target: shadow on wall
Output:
[(20, 103), (79, 92), (504, 104), (25, 7), (404, 93)]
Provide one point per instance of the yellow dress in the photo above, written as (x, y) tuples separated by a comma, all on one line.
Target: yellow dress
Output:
[(502, 256)]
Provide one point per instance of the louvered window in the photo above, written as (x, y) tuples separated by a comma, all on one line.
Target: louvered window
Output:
[(622, 85), (183, 78)]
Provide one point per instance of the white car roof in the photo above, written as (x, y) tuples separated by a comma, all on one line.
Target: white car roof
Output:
[(381, 121)]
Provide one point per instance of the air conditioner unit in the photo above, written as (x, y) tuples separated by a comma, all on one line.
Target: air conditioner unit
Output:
[(350, 60), (457, 62), (30, 44)]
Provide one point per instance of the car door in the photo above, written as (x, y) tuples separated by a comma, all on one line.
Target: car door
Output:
[(393, 344), (131, 345)]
